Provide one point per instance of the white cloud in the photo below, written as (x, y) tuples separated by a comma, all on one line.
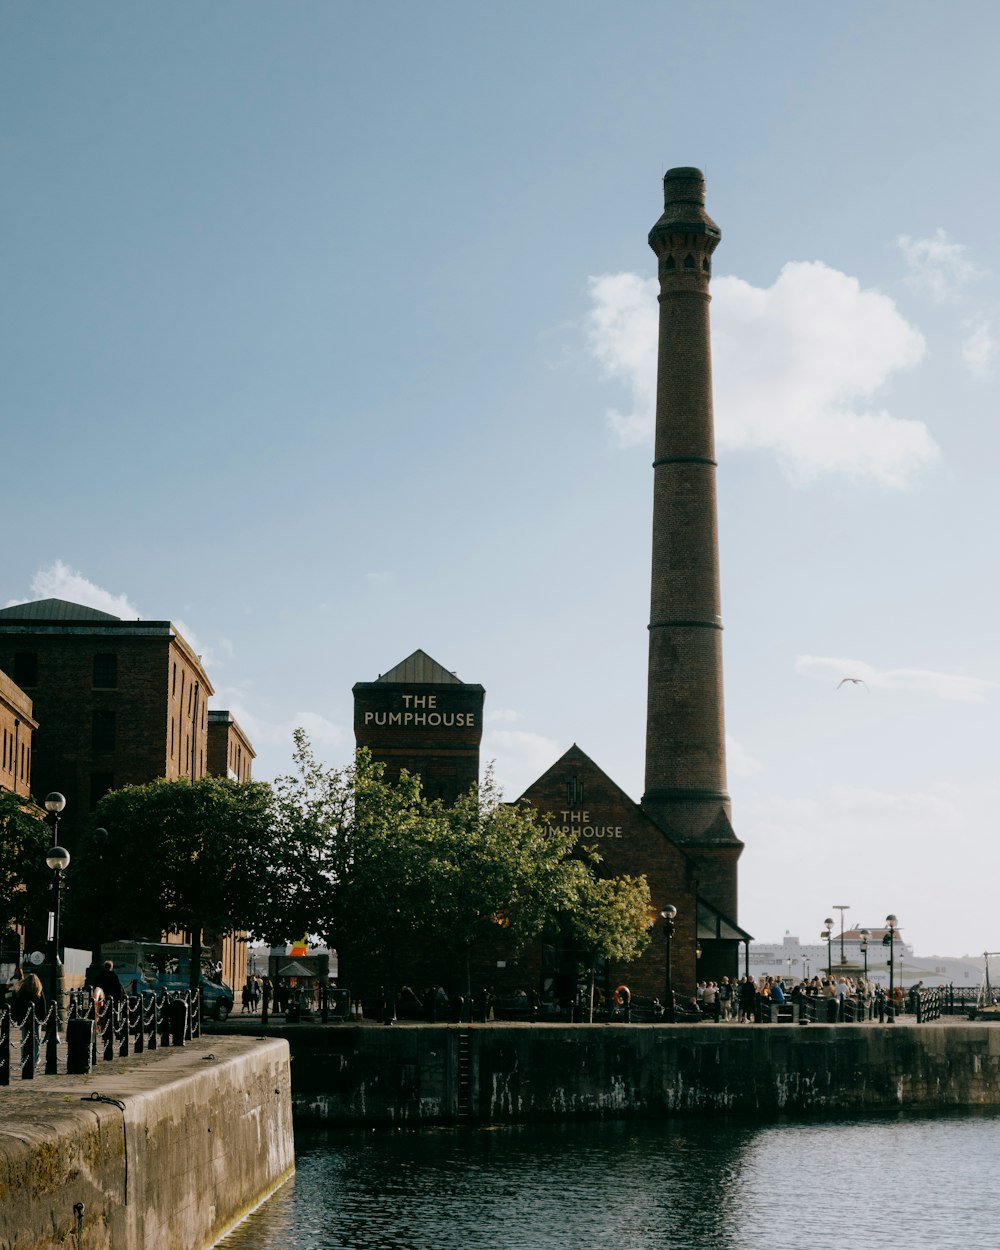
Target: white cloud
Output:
[(980, 349), (622, 329), (796, 367), (321, 731), (520, 757), (505, 714), (203, 652), (739, 760), (922, 681), (938, 266), (59, 581)]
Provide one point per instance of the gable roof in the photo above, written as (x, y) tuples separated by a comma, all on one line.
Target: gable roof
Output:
[(55, 610), (420, 668)]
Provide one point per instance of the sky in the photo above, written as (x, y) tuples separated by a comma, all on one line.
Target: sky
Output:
[(327, 331)]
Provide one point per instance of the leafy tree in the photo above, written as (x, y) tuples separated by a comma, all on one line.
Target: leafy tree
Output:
[(344, 854), (487, 863), (609, 919), (24, 876), (178, 856), (359, 858)]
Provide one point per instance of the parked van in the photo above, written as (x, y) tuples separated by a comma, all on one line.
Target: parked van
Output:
[(156, 967)]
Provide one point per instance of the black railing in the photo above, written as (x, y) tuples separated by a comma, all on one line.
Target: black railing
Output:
[(97, 1030)]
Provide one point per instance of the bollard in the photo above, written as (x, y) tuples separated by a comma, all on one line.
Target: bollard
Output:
[(177, 1012), (79, 1045)]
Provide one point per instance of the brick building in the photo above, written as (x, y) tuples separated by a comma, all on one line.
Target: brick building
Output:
[(229, 751), (16, 726), (420, 717), (680, 835), (117, 702)]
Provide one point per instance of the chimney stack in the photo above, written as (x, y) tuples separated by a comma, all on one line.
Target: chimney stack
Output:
[(685, 723)]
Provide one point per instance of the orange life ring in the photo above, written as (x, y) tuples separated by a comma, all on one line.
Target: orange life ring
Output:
[(623, 995)]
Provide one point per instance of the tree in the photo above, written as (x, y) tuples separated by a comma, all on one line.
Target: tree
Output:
[(359, 859), (345, 842), (24, 875), (178, 856), (487, 864), (609, 919)]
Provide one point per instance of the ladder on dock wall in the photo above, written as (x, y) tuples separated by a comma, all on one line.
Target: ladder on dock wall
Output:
[(463, 1076)]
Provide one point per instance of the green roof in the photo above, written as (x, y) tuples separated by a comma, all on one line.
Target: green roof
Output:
[(55, 610)]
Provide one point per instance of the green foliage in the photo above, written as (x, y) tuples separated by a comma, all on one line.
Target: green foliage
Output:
[(488, 863), (610, 917), (177, 855), (357, 856), (24, 875)]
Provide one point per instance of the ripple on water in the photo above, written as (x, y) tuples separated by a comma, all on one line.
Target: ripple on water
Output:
[(686, 1184)]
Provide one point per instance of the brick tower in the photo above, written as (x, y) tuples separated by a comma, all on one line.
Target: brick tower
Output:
[(685, 725)]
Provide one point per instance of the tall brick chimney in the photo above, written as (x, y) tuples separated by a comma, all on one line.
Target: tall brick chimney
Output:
[(685, 723)]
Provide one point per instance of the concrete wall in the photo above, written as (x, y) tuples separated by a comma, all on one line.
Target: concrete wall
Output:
[(203, 1134), (414, 1074)]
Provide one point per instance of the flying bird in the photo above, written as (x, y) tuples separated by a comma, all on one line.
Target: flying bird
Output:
[(855, 681)]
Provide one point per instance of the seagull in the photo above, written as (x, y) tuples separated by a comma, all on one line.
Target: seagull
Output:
[(855, 681)]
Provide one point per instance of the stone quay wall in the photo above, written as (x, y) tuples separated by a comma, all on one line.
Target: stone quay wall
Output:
[(190, 1140), (505, 1073)]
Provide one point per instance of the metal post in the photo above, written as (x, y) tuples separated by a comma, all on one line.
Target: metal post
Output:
[(668, 914), (842, 907), (58, 860), (891, 923)]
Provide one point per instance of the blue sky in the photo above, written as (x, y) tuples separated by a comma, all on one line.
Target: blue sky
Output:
[(326, 332)]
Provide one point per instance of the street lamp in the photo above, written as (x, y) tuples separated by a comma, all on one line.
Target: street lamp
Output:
[(891, 923), (54, 804), (864, 935), (827, 936), (842, 907), (668, 915), (58, 860)]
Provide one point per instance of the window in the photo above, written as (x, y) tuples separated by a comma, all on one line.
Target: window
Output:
[(104, 731), (173, 686), (25, 669), (105, 672), (574, 791)]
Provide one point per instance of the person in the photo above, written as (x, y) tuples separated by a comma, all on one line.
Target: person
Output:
[(108, 981), (27, 1007), (748, 1000)]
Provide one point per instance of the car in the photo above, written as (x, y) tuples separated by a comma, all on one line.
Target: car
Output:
[(216, 996)]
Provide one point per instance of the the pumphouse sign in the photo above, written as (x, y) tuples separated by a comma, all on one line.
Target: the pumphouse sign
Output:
[(420, 717)]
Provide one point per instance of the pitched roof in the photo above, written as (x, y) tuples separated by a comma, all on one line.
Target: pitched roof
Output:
[(55, 610), (417, 668)]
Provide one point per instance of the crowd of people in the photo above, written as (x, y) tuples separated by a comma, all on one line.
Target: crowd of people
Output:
[(833, 999)]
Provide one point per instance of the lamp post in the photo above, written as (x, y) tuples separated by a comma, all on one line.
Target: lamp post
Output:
[(827, 936), (842, 907), (54, 804), (864, 935), (58, 860), (668, 915), (891, 923)]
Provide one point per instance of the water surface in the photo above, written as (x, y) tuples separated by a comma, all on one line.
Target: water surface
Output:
[(900, 1181)]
